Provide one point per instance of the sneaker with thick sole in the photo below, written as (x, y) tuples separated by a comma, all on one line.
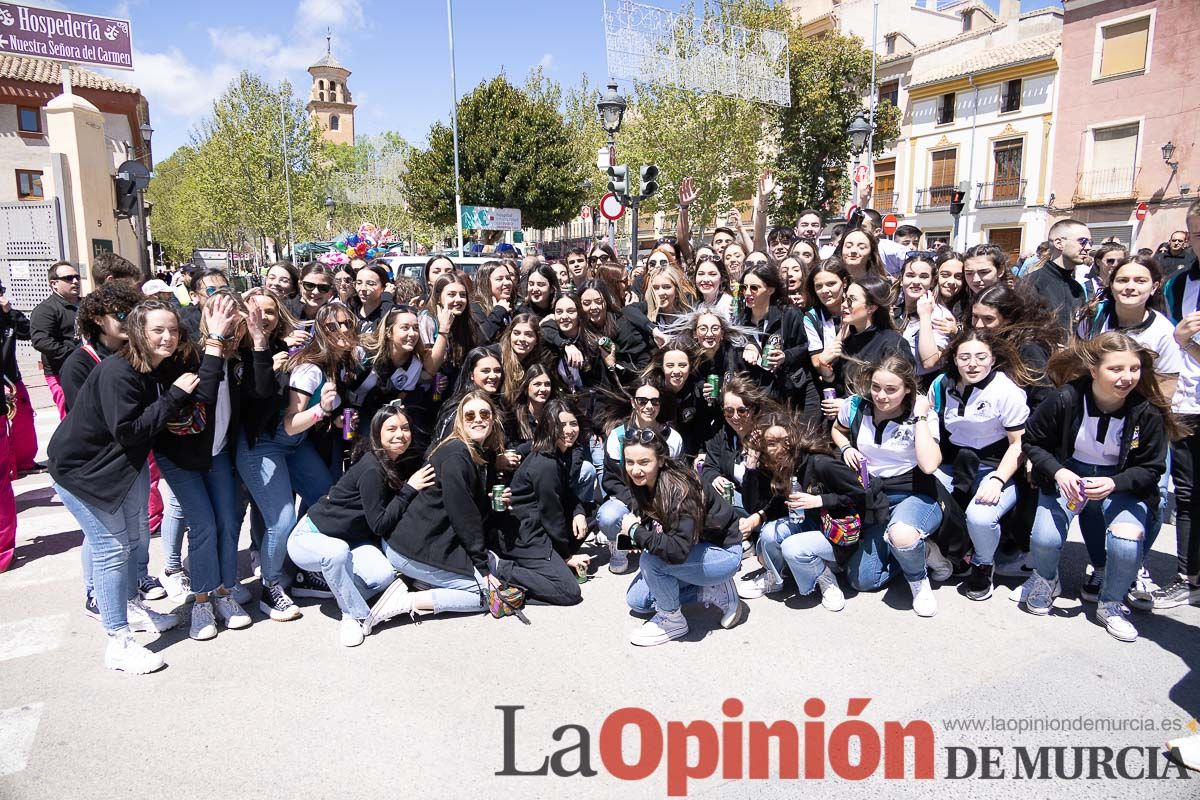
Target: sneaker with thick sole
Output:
[(230, 612), (924, 603), (961, 567), (394, 601), (310, 584), (1038, 594), (618, 561), (1113, 616), (1140, 596), (350, 631), (178, 586), (241, 593), (979, 582), (832, 597), (204, 622), (1019, 565), (150, 588), (1179, 592), (275, 603), (758, 583), (1089, 592), (939, 567), (725, 597), (90, 608), (126, 655), (146, 620), (660, 629)]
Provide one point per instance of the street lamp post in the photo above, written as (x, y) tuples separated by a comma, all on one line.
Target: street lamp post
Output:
[(859, 131), (329, 209), (143, 234), (612, 110)]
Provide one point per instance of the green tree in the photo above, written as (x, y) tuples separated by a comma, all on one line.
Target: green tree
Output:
[(515, 151), (181, 210)]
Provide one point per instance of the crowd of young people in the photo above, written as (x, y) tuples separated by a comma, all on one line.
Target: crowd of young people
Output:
[(729, 420)]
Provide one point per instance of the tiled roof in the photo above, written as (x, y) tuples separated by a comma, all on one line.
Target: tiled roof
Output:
[(1031, 49), (328, 60), (39, 70)]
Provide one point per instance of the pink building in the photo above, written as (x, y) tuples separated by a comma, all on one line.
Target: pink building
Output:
[(1129, 86)]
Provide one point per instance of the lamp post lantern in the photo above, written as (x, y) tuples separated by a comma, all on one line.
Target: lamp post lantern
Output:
[(611, 106), (144, 261), (330, 205), (1168, 150)]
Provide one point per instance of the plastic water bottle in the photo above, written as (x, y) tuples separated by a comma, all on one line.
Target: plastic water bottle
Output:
[(795, 515)]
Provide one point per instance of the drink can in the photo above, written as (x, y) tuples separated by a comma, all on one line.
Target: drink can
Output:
[(727, 493), (829, 394), (348, 432), (1076, 507), (714, 381), (863, 474), (498, 497)]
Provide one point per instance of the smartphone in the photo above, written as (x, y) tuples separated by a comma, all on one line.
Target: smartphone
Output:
[(855, 221), (624, 542)]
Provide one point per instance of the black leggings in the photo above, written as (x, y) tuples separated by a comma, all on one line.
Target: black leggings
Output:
[(547, 580), (1185, 454)]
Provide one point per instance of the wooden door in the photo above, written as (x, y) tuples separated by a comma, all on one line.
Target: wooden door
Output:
[(1007, 175), (1010, 240)]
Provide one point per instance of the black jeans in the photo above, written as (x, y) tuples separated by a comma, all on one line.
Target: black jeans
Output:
[(547, 580), (1185, 454)]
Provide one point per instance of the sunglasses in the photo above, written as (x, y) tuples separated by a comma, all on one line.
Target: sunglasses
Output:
[(657, 262), (396, 405), (647, 401), (738, 411), (667, 240), (341, 325), (317, 287), (120, 316), (763, 262), (604, 259), (67, 278), (642, 436), (483, 416), (708, 259), (209, 291)]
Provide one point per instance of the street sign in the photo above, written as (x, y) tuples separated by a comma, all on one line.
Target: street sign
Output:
[(890, 223), (485, 218), (860, 173), (610, 207), (1141, 211), (66, 36), (585, 213)]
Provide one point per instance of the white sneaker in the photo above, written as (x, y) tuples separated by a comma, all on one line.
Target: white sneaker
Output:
[(178, 586), (1113, 616), (940, 568), (725, 597), (758, 583), (394, 601), (661, 628), (924, 603), (1040, 594), (1019, 567), (1141, 596), (831, 594), (255, 564), (231, 613), (125, 654), (351, 632), (618, 561), (143, 619), (204, 624), (240, 592)]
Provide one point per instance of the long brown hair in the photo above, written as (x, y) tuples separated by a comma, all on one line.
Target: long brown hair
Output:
[(378, 343), (286, 320), (859, 380), (510, 363), (1005, 357), (137, 350), (803, 439), (319, 350), (677, 494), (1081, 356)]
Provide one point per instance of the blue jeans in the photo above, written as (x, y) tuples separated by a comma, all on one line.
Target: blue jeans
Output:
[(451, 592), (666, 587), (140, 555), (354, 574), (596, 447), (770, 543), (919, 511), (1124, 556), (983, 521), (173, 524), (278, 468), (801, 547), (209, 501), (608, 518), (113, 538), (585, 483)]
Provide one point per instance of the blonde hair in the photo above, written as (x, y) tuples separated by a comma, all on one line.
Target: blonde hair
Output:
[(685, 292), (494, 442)]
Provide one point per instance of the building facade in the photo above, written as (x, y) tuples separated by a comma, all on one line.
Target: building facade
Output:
[(329, 100), (1129, 81)]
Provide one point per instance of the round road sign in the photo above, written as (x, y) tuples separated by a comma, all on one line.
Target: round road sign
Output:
[(610, 207), (890, 223)]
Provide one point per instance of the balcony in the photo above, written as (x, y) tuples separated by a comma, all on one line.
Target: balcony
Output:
[(1009, 192), (935, 198), (885, 203), (1100, 185)]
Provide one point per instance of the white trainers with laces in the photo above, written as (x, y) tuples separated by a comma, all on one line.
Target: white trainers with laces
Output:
[(350, 632), (924, 603), (394, 601), (143, 619), (231, 613), (178, 586), (940, 568), (661, 628), (1141, 595), (1113, 615), (725, 597), (1038, 594), (204, 623), (758, 583), (126, 655), (831, 593)]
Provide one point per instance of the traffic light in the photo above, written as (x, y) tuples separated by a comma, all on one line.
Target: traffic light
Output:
[(649, 175), (618, 180), (126, 195), (958, 201)]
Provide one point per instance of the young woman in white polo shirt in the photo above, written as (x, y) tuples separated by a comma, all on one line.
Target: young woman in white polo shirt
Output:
[(887, 424), (981, 412), (1098, 447)]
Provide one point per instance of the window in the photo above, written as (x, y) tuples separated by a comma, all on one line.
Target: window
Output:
[(333, 91), (1008, 240), (885, 186), (29, 120), (967, 16), (1006, 160), (890, 92), (945, 114), (334, 122), (1123, 47), (1114, 157), (891, 44), (943, 169), (29, 184), (934, 239), (1010, 96)]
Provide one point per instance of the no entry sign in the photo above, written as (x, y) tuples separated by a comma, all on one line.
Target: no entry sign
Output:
[(890, 223), (610, 207)]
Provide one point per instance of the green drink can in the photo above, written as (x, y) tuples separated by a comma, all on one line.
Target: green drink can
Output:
[(714, 381), (498, 497), (727, 493)]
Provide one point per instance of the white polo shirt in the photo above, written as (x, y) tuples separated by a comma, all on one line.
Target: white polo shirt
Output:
[(891, 450), (912, 330), (1155, 333), (982, 414), (1098, 441)]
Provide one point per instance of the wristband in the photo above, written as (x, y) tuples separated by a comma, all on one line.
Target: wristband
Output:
[(217, 336), (318, 414), (842, 450), (997, 477)]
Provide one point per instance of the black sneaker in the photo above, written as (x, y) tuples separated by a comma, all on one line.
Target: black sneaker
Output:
[(1090, 591), (1179, 592), (89, 606), (276, 604), (979, 582), (962, 567), (150, 588), (310, 584)]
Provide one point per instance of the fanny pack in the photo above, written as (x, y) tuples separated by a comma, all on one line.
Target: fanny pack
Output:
[(507, 601), (192, 419), (842, 531)]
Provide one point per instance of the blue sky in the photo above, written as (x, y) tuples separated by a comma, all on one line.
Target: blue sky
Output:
[(186, 52)]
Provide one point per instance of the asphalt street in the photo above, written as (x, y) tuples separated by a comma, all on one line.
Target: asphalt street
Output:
[(281, 710)]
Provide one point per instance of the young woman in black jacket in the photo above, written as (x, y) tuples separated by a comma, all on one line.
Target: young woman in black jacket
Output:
[(783, 370), (1098, 446), (441, 540), (537, 545), (540, 291), (724, 462), (339, 538), (493, 304), (867, 334), (98, 462), (685, 407), (797, 488), (688, 536), (398, 360), (448, 331)]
